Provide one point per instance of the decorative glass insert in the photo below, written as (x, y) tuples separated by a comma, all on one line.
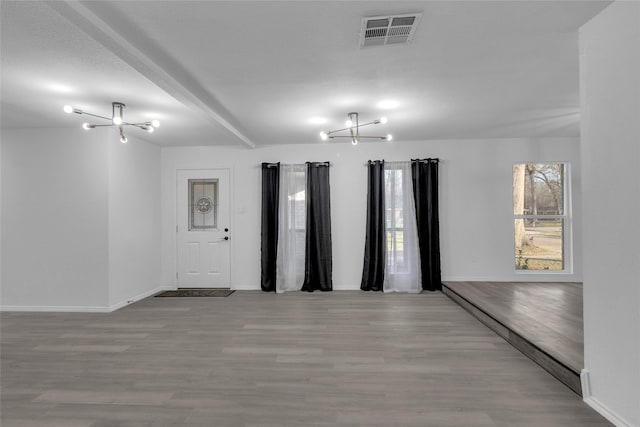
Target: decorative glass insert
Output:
[(203, 204)]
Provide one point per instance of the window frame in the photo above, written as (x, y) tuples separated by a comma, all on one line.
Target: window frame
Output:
[(566, 217)]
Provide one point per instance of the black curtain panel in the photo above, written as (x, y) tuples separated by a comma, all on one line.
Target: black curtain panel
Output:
[(269, 227), (318, 261), (425, 191), (374, 256)]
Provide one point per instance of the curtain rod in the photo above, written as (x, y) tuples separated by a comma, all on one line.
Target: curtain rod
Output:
[(435, 160), (275, 165), (318, 164)]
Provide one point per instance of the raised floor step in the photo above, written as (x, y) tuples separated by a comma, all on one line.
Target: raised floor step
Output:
[(570, 376)]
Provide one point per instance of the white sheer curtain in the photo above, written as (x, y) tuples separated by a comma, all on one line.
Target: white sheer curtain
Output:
[(402, 271), (292, 222)]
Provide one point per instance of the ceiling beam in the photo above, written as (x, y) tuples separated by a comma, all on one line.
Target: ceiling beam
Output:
[(177, 83)]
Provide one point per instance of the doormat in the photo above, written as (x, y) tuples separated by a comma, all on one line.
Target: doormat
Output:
[(199, 292)]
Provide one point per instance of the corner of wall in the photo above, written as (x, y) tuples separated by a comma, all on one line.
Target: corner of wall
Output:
[(133, 220), (598, 406), (610, 130)]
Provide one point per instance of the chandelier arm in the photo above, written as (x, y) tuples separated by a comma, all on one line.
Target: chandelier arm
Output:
[(375, 122), (131, 124), (339, 130), (96, 115), (138, 125), (361, 136)]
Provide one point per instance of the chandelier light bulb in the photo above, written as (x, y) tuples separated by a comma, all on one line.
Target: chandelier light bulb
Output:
[(155, 123), (117, 120), (323, 136), (69, 109), (348, 123), (389, 137), (149, 129), (86, 126), (383, 120), (354, 141)]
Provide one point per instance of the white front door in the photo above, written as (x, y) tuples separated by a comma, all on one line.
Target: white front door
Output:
[(203, 228)]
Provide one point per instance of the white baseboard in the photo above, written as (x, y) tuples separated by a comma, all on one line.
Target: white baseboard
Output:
[(83, 309), (143, 295), (598, 406), (55, 308), (245, 287)]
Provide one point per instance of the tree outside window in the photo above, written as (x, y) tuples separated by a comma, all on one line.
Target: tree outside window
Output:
[(540, 218)]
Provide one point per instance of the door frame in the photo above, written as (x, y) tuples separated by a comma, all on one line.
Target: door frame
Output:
[(176, 242)]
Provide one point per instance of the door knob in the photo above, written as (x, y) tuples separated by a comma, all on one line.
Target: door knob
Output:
[(226, 229), (226, 237)]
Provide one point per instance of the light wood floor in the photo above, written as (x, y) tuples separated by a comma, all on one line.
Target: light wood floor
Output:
[(345, 358), (549, 315)]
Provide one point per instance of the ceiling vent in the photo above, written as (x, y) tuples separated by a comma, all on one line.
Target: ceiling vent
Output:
[(384, 30)]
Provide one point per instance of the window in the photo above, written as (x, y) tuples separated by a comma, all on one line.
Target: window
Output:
[(292, 219), (402, 269), (541, 219), (394, 219)]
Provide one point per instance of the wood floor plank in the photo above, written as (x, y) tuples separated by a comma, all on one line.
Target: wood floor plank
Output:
[(345, 359)]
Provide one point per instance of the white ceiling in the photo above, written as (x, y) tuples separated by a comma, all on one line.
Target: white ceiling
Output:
[(257, 73)]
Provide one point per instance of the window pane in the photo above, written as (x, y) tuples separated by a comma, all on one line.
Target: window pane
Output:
[(396, 260), (538, 189), (297, 201), (541, 245), (203, 204), (393, 198)]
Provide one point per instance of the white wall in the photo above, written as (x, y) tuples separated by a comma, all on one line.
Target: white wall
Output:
[(54, 219), (134, 219), (80, 220), (610, 86), (475, 202)]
